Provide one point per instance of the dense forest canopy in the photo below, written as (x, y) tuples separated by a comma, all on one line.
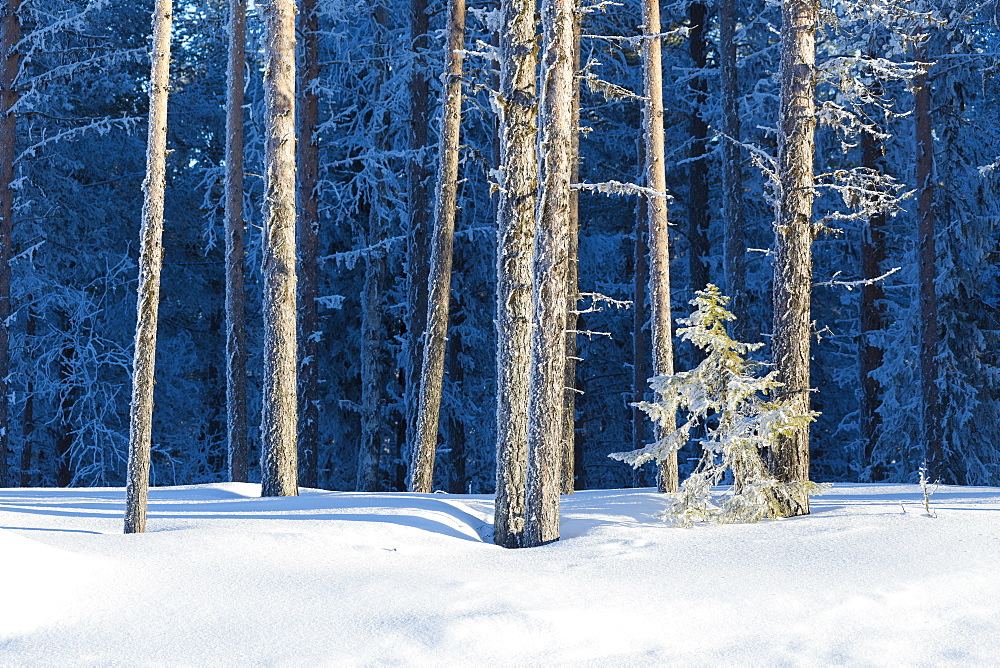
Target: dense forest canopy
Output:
[(906, 98)]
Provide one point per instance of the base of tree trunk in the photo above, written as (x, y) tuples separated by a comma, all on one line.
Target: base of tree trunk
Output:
[(791, 501)]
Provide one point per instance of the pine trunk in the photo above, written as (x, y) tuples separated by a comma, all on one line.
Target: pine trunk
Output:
[(439, 280), (927, 263), (150, 265), (872, 309), (789, 460), (236, 345), (418, 199), (279, 456), (28, 421), (515, 244), (547, 391), (573, 277), (10, 62), (698, 167), (656, 216), (307, 238), (734, 236)]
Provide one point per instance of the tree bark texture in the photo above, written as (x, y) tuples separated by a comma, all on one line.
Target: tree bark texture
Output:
[(734, 236), (873, 318), (418, 203), (439, 279), (656, 216), (927, 263), (236, 345), (547, 392), (150, 265), (515, 245), (789, 460), (307, 239), (279, 456), (10, 62), (698, 218), (573, 277)]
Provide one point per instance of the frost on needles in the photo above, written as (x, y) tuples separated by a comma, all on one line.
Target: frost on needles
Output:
[(742, 412)]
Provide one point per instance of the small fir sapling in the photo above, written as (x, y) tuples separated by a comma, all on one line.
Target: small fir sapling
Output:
[(742, 413)]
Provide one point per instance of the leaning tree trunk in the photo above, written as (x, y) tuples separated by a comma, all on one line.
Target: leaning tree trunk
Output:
[(439, 280), (10, 62), (927, 264), (872, 309), (572, 278), (789, 459), (698, 167), (236, 345), (278, 430), (515, 243), (150, 264), (656, 215), (734, 238), (549, 292), (418, 199), (307, 238)]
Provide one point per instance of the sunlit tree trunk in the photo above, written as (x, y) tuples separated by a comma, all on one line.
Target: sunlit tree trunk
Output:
[(418, 205), (236, 346), (734, 235), (279, 438), (150, 265), (515, 243), (547, 393), (656, 217), (789, 460), (927, 265), (10, 61), (307, 239), (439, 281)]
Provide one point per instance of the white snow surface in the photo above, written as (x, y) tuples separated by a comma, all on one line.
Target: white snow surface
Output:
[(223, 577)]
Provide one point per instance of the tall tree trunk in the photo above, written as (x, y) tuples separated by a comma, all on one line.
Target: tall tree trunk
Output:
[(698, 168), (656, 215), (457, 440), (547, 392), (10, 62), (64, 436), (927, 259), (734, 237), (279, 456), (150, 265), (573, 275), (789, 460), (872, 309), (640, 340), (307, 234), (236, 345), (418, 199), (374, 427), (515, 244), (28, 421), (439, 280)]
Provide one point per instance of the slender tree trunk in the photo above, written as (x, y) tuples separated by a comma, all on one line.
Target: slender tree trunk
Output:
[(64, 437), (547, 392), (698, 219), (457, 440), (279, 456), (872, 309), (656, 215), (640, 340), (28, 421), (418, 200), (10, 62), (927, 259), (236, 345), (307, 238), (439, 281), (515, 244), (150, 265), (573, 276), (734, 242), (789, 460)]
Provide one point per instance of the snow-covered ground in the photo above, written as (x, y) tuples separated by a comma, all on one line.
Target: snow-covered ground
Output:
[(225, 578)]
